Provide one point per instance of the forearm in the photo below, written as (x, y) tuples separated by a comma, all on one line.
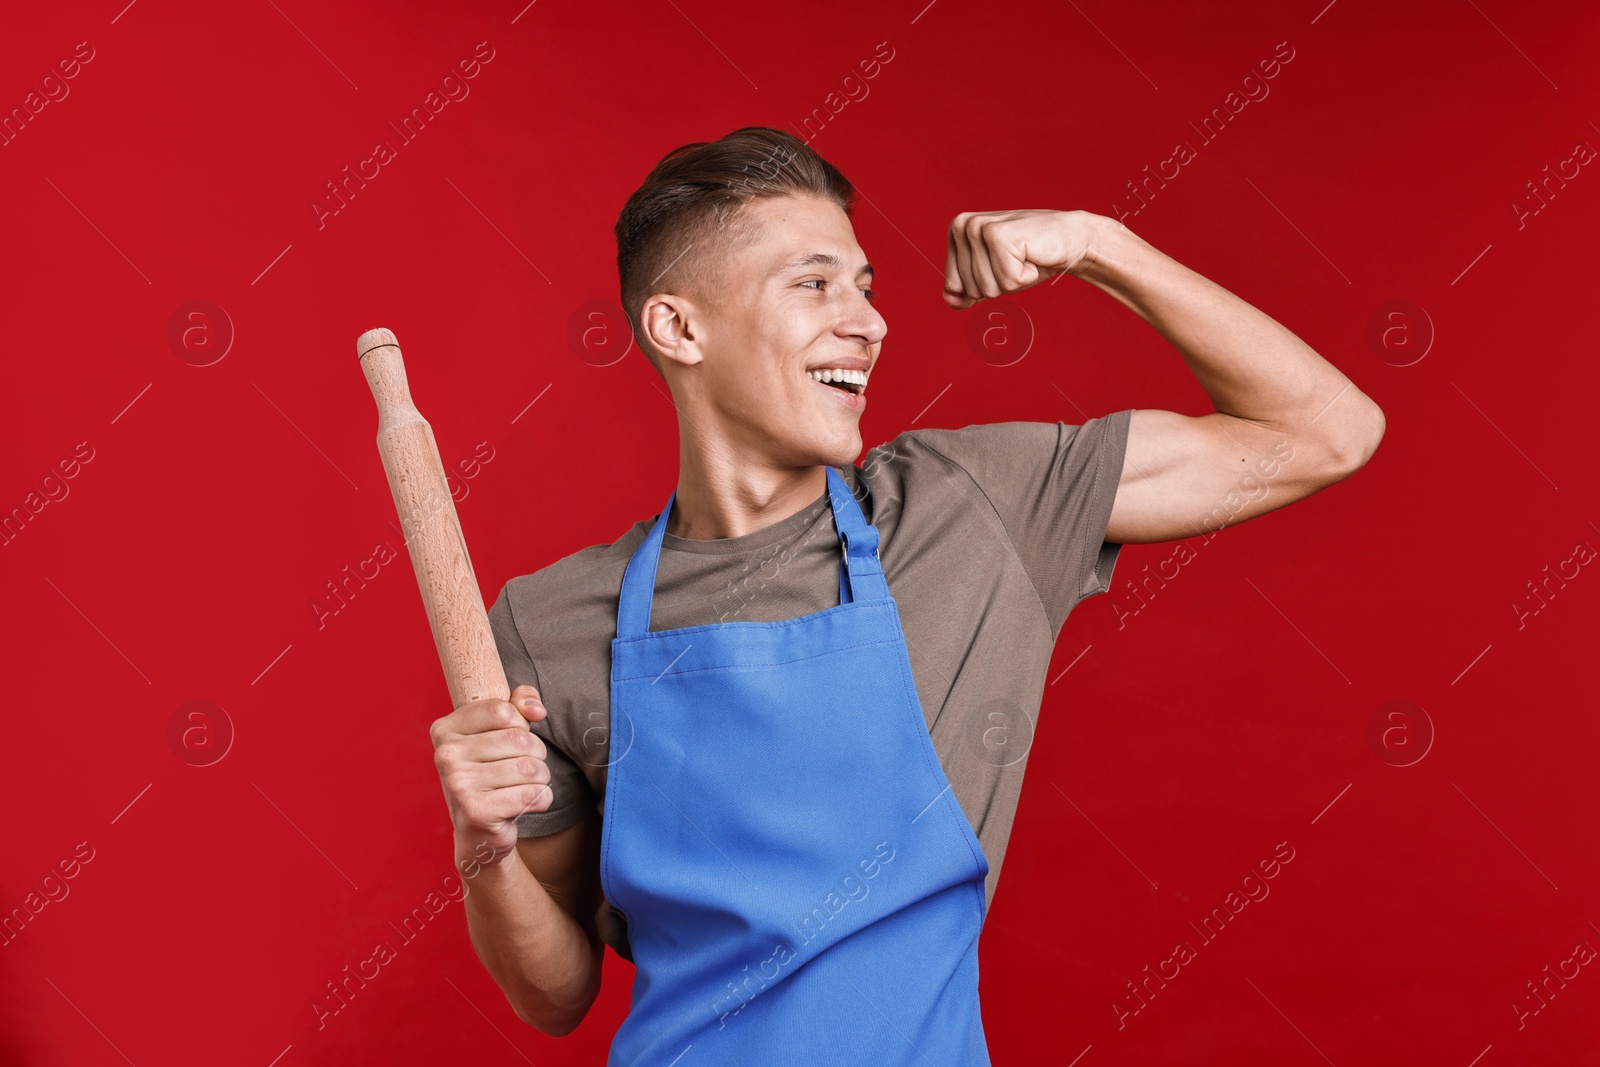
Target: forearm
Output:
[(539, 955), (1250, 366)]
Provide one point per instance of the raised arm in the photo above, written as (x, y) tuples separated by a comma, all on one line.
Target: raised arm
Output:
[(1287, 423)]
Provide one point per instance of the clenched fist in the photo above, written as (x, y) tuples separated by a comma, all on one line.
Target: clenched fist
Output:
[(492, 768), (997, 252)]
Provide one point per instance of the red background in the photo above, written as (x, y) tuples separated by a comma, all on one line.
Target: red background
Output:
[(1230, 714)]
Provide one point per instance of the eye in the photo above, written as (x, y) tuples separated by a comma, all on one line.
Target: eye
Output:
[(870, 294)]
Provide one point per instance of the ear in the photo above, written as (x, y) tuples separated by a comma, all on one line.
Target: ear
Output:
[(671, 324)]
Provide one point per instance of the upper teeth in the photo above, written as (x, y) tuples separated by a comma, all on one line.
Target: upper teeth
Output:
[(833, 374)]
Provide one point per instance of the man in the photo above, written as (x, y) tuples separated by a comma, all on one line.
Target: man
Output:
[(752, 743)]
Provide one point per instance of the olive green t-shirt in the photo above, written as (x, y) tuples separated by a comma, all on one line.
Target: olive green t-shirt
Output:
[(988, 536)]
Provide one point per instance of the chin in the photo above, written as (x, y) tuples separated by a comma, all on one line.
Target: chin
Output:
[(842, 453), (834, 451)]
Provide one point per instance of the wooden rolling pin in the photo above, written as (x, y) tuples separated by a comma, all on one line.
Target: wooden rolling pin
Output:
[(432, 531)]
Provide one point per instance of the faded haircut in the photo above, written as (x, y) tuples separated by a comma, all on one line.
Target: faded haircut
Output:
[(687, 218)]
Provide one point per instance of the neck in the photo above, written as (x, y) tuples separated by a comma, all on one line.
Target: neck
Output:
[(722, 494)]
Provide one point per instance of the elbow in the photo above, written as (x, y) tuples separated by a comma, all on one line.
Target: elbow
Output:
[(1374, 434), (552, 1024), (557, 1014), (1350, 450), (550, 1029)]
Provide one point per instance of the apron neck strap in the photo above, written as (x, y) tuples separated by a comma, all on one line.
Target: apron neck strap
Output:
[(860, 577)]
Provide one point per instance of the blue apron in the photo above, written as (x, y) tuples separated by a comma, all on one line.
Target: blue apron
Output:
[(799, 883)]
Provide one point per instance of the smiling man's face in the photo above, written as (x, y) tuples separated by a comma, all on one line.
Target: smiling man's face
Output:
[(788, 303)]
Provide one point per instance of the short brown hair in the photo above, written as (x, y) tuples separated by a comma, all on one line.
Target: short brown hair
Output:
[(699, 189)]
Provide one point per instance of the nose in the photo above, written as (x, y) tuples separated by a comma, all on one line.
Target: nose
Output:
[(863, 322)]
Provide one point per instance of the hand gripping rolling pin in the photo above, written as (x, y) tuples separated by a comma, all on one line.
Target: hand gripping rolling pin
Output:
[(432, 531)]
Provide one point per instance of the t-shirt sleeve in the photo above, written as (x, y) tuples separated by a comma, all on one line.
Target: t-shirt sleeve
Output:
[(571, 790), (1052, 485)]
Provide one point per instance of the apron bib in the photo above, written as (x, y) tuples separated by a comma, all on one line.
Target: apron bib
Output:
[(799, 883)]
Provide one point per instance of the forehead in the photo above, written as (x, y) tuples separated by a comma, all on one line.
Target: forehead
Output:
[(788, 229)]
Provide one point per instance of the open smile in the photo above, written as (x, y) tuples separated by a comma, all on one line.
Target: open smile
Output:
[(845, 386)]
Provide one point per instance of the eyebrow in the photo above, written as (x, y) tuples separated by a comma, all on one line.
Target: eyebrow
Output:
[(826, 259)]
